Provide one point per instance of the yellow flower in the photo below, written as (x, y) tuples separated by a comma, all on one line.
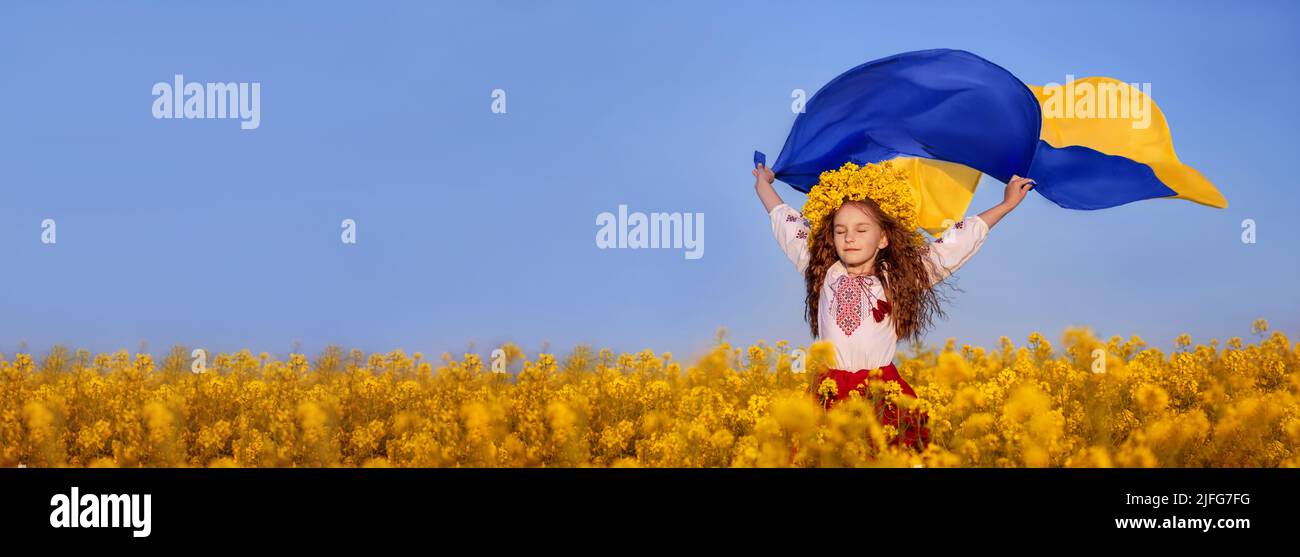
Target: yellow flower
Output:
[(883, 183), (795, 414), (828, 388), (1151, 398), (1260, 326)]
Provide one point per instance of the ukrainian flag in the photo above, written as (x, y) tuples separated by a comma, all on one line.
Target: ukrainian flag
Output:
[(949, 115)]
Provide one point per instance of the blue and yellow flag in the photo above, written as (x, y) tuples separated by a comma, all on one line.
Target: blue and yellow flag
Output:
[(950, 115)]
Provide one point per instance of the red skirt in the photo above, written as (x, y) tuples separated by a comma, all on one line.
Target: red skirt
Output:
[(912, 425)]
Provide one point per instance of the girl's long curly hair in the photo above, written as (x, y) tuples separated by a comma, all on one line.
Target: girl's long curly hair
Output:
[(901, 268)]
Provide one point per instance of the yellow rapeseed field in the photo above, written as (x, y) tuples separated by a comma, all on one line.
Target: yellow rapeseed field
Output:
[(1089, 403)]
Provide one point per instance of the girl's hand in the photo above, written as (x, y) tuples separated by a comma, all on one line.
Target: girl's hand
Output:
[(1017, 188), (1016, 191), (763, 175)]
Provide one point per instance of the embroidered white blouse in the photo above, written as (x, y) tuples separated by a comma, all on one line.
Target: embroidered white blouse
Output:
[(844, 314)]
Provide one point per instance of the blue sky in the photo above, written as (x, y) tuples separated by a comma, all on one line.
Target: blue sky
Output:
[(475, 227)]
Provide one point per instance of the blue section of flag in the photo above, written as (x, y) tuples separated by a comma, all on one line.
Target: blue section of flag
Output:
[(1076, 177), (943, 104), (954, 106)]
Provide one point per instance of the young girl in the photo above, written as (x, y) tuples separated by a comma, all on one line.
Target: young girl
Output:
[(870, 275)]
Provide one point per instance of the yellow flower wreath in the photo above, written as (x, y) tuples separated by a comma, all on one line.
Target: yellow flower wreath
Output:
[(883, 183)]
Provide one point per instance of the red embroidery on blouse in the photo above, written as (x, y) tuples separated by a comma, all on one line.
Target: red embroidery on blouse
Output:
[(791, 218), (801, 234), (959, 224), (849, 294)]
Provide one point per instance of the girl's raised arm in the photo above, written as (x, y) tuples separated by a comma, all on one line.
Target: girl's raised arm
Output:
[(763, 177), (960, 242), (788, 226)]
